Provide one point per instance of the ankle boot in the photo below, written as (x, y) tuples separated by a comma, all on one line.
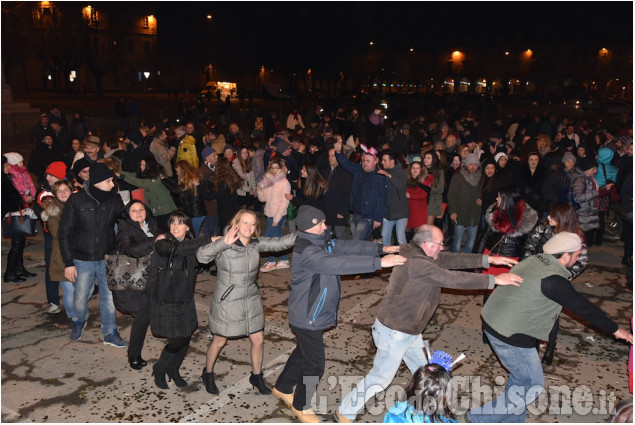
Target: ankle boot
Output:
[(160, 367), (175, 365), (208, 380), (136, 362), (549, 351), (258, 382), (13, 277)]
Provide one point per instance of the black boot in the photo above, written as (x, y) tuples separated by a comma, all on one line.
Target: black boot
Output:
[(136, 362), (258, 382), (208, 380), (160, 369), (21, 271), (548, 357), (10, 274), (175, 365)]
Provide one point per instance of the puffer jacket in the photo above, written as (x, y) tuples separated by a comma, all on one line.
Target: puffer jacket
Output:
[(167, 319), (85, 219), (585, 192), (539, 236), (51, 215), (317, 264), (236, 306), (500, 237), (273, 196)]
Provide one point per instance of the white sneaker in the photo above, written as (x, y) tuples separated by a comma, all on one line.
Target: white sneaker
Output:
[(53, 309), (283, 264), (268, 266)]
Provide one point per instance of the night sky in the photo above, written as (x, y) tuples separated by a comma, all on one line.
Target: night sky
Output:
[(294, 35)]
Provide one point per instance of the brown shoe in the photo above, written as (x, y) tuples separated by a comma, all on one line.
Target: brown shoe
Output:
[(307, 416), (285, 398)]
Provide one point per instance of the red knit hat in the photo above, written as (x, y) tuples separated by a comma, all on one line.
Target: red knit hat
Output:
[(57, 169)]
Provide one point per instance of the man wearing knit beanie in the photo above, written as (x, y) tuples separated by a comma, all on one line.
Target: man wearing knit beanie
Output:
[(462, 207), (515, 318), (86, 234), (317, 264)]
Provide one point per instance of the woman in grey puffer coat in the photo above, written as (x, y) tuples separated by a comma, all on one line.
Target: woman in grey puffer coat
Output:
[(236, 308)]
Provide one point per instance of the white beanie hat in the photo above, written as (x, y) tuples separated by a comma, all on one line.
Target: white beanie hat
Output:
[(13, 158)]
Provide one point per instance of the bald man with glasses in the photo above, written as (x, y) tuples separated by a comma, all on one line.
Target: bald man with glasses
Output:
[(411, 299)]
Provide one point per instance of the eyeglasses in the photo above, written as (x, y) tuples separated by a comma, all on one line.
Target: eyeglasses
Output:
[(441, 244)]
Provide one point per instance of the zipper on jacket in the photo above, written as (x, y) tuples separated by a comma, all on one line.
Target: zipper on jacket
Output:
[(319, 307)]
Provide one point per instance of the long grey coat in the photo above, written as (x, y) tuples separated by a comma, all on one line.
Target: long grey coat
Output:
[(236, 307)]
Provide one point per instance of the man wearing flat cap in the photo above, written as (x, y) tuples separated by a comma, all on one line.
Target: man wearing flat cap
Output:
[(515, 318), (314, 298)]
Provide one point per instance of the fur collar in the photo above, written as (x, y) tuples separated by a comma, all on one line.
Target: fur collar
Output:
[(528, 217), (471, 179)]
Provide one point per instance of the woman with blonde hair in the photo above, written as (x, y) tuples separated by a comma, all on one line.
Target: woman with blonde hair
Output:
[(236, 308), (273, 189)]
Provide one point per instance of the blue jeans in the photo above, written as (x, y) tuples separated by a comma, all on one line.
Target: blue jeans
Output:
[(386, 231), (458, 236), (392, 347), (211, 226), (275, 232), (196, 223), (68, 290), (361, 227), (87, 271), (525, 383)]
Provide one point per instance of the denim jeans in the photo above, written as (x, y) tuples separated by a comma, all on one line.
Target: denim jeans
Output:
[(68, 290), (275, 232), (400, 228), (526, 382), (392, 347), (361, 227), (196, 224), (87, 271), (458, 236), (210, 226)]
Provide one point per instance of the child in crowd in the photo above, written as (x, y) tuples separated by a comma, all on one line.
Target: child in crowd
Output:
[(20, 176), (428, 395)]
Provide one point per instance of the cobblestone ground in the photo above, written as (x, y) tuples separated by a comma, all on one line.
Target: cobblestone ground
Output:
[(46, 378)]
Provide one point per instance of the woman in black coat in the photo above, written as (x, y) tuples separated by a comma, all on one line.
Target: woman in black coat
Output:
[(12, 201), (135, 238), (172, 309)]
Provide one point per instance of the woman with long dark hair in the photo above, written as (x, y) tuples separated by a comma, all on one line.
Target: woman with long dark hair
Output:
[(189, 180), (172, 308), (437, 185), (225, 189), (417, 193), (562, 218)]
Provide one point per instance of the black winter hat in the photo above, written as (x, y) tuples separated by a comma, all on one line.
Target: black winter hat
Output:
[(99, 172), (308, 217)]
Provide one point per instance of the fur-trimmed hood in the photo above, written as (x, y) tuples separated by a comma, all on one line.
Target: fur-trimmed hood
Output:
[(52, 210), (500, 223), (471, 179)]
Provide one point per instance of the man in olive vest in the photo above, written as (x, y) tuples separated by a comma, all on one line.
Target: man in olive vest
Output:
[(516, 317)]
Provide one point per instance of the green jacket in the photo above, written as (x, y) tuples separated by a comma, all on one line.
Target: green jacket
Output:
[(158, 197)]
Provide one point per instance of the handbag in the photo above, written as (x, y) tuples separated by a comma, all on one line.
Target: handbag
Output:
[(15, 226), (138, 195), (292, 212), (172, 285), (124, 273)]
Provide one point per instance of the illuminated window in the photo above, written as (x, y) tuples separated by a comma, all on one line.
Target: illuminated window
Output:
[(146, 22), (94, 16)]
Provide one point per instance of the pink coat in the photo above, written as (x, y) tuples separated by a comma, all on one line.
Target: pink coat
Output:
[(273, 196)]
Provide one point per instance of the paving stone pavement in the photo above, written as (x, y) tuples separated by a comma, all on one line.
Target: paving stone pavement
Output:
[(46, 378)]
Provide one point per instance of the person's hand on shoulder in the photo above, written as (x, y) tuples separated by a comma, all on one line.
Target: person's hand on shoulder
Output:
[(392, 260), (505, 279)]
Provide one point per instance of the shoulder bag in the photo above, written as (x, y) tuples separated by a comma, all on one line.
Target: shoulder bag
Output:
[(17, 224), (124, 273)]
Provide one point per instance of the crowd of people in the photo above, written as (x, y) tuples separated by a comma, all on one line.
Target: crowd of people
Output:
[(349, 194)]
